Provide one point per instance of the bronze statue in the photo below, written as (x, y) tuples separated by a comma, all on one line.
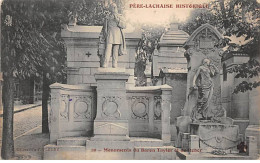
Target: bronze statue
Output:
[(203, 82), (113, 37)]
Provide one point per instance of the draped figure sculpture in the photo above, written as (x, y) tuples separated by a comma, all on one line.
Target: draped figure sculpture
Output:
[(112, 37), (203, 83)]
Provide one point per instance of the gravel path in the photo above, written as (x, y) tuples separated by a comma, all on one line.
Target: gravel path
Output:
[(27, 120)]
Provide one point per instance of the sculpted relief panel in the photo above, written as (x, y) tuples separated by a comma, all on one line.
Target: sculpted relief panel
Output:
[(64, 107), (157, 108), (140, 107), (203, 53), (82, 108), (203, 83), (110, 107)]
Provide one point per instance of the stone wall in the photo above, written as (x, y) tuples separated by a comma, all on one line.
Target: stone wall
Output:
[(236, 105), (73, 110), (170, 53), (178, 82), (82, 53)]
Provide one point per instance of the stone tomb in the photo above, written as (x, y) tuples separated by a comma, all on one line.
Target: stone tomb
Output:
[(83, 59), (111, 125), (203, 124), (111, 134), (202, 45)]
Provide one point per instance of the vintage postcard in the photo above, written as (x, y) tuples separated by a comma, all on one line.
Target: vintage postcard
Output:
[(130, 80)]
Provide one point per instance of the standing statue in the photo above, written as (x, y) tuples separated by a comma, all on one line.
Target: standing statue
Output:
[(203, 82), (113, 37)]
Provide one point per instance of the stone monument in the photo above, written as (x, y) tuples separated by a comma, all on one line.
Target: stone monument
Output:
[(108, 119), (111, 121), (203, 124)]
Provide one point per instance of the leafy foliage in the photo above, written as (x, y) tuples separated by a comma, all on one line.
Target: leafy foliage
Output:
[(31, 39), (197, 18), (145, 49), (238, 18)]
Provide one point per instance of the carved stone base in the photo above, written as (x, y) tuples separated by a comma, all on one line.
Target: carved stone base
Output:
[(111, 120), (215, 136), (182, 127), (111, 130)]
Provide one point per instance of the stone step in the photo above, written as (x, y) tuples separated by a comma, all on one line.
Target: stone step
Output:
[(72, 141), (56, 152), (146, 142), (208, 156)]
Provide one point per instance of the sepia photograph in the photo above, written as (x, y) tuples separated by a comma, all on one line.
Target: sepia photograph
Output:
[(130, 80)]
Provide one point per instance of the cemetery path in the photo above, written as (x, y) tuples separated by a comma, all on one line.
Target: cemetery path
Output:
[(27, 120), (28, 139)]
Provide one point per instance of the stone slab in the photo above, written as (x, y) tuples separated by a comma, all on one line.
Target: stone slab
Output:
[(135, 148), (110, 128), (72, 141), (109, 150), (110, 70), (54, 152), (146, 142), (207, 156), (254, 130), (155, 153)]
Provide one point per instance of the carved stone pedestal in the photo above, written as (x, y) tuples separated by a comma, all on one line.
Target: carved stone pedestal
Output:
[(214, 136), (112, 109)]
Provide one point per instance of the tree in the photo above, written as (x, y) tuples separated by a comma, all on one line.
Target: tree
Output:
[(29, 45), (146, 46), (33, 47), (197, 18), (238, 18)]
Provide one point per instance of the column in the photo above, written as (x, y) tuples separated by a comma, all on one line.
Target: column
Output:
[(185, 142), (55, 112), (1, 82), (194, 144), (152, 106), (166, 109), (251, 143)]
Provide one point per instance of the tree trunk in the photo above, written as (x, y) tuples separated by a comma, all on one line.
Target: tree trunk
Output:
[(8, 115), (224, 16), (45, 98)]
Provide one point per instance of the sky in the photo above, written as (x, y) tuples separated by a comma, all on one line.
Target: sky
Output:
[(159, 16)]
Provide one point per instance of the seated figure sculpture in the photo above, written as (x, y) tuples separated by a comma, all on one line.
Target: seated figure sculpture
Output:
[(113, 36)]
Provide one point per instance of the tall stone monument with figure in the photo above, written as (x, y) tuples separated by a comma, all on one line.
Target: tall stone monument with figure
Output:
[(203, 53), (107, 117), (203, 124), (111, 121)]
